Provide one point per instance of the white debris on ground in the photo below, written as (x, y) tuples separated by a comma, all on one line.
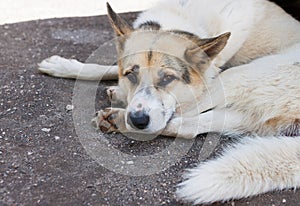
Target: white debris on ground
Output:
[(56, 137), (46, 129), (69, 107)]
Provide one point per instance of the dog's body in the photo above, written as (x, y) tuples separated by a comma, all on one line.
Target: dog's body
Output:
[(160, 58)]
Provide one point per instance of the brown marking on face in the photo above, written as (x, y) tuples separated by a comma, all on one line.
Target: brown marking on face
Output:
[(196, 78), (120, 69), (150, 55), (153, 59)]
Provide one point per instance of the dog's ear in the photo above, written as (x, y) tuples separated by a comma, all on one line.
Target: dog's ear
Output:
[(207, 48), (119, 25)]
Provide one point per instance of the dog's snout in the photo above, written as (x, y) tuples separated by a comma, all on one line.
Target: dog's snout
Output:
[(138, 119)]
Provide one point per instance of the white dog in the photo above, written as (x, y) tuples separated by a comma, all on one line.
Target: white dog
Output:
[(171, 50)]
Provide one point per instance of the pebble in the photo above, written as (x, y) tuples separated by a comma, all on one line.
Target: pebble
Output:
[(130, 162), (46, 129), (56, 137), (284, 200), (69, 107)]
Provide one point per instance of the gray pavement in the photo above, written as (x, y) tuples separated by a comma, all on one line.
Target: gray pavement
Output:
[(42, 160)]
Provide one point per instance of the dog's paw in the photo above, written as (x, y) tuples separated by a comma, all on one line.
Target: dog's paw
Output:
[(112, 93), (60, 67), (116, 96), (110, 120)]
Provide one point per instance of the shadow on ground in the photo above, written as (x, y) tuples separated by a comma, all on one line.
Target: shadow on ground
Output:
[(42, 161)]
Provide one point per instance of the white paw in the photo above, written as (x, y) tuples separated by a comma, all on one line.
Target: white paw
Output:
[(60, 67), (116, 96), (112, 92)]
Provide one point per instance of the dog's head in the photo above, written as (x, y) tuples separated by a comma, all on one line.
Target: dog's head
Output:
[(162, 72)]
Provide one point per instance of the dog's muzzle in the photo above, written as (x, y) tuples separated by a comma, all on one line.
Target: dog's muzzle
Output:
[(138, 119)]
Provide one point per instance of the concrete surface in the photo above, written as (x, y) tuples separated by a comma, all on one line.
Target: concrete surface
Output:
[(42, 161)]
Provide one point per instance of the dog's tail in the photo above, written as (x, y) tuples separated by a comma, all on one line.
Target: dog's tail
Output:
[(253, 166)]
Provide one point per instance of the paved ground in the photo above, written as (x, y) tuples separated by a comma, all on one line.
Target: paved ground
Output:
[(42, 160)]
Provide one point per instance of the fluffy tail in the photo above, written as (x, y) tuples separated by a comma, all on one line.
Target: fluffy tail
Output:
[(254, 166)]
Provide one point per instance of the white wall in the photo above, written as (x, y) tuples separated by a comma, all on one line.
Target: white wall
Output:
[(12, 11)]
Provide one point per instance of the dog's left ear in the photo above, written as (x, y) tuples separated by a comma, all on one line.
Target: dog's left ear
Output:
[(211, 47), (119, 25)]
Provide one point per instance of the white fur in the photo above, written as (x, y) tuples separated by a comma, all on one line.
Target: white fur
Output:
[(70, 68), (254, 166)]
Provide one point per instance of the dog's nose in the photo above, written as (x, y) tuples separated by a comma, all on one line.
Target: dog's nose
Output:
[(138, 119)]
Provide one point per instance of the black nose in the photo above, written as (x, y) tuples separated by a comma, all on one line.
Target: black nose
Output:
[(138, 119)]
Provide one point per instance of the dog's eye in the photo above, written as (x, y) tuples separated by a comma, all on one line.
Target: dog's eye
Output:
[(132, 74), (132, 77), (167, 79)]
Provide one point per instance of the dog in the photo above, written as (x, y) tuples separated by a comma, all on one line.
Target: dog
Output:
[(188, 67)]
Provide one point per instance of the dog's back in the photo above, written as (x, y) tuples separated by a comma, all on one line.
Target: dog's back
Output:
[(254, 25)]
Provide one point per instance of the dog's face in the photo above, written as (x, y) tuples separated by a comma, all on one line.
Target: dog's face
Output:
[(161, 72), (156, 82)]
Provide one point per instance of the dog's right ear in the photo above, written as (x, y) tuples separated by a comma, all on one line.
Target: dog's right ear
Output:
[(119, 25), (211, 47)]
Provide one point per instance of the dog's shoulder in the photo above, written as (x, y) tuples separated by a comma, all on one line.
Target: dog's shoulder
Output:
[(201, 17)]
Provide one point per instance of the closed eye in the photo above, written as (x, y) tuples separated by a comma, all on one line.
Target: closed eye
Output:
[(166, 79), (131, 76)]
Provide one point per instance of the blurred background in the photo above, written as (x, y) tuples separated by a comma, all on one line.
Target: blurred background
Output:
[(12, 11)]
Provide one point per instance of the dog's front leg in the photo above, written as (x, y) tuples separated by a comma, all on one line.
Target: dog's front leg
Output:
[(71, 68), (110, 120), (221, 121), (181, 127)]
